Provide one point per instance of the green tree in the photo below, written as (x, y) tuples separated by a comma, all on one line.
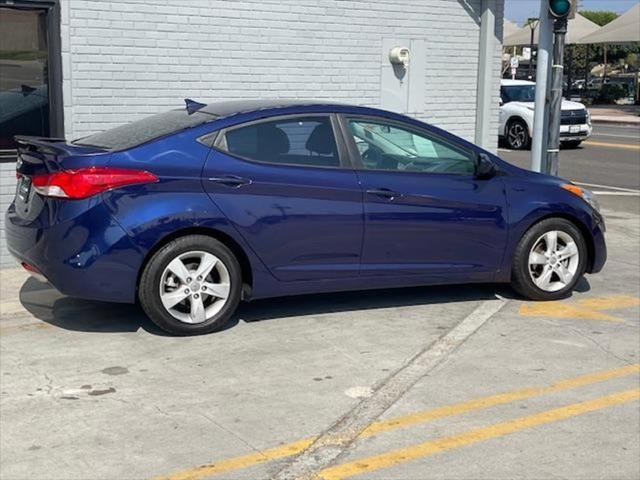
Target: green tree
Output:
[(600, 17)]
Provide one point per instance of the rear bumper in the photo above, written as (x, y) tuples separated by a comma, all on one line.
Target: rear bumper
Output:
[(87, 255)]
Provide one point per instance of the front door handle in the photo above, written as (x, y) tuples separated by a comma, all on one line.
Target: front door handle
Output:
[(384, 192), (230, 180)]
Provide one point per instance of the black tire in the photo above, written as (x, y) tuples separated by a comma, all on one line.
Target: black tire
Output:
[(151, 278), (572, 144), (521, 278), (517, 135)]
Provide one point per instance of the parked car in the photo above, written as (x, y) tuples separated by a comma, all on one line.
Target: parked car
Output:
[(517, 99), (193, 210)]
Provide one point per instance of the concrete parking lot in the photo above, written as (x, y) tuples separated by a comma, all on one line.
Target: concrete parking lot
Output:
[(438, 382)]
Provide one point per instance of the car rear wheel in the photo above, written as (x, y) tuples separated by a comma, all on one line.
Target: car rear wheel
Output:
[(191, 286), (549, 260), (517, 135)]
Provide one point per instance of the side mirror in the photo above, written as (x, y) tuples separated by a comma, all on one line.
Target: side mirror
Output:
[(485, 168)]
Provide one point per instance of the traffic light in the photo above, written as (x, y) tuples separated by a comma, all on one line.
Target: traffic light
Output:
[(562, 8)]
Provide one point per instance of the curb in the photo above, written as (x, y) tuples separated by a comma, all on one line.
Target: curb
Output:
[(628, 121)]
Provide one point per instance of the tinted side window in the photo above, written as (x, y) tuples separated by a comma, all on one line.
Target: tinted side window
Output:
[(292, 141), (385, 146)]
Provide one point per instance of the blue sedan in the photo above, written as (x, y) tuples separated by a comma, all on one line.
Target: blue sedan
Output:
[(193, 210)]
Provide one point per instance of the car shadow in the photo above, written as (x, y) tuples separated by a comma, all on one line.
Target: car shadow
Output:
[(48, 305), (73, 314), (343, 302)]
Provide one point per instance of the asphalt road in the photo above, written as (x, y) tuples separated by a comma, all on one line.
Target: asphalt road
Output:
[(608, 161)]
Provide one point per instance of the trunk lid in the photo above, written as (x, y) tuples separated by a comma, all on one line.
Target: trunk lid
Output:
[(41, 155)]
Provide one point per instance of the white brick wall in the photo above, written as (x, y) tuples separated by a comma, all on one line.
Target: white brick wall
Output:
[(125, 59), (7, 191)]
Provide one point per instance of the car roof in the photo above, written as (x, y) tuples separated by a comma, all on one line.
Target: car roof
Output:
[(234, 107), (508, 83)]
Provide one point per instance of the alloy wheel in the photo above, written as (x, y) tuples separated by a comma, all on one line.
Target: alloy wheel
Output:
[(553, 261), (517, 135), (195, 286)]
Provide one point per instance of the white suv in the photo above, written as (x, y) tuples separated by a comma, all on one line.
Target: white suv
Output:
[(517, 99)]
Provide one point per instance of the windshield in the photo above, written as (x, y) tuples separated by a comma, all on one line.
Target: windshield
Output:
[(144, 130), (518, 93)]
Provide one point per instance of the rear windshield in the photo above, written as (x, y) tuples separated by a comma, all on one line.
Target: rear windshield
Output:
[(144, 130)]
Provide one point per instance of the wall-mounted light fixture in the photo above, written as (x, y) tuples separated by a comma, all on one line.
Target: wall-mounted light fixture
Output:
[(399, 56)]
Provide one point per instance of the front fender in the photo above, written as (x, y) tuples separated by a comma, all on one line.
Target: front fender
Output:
[(531, 202)]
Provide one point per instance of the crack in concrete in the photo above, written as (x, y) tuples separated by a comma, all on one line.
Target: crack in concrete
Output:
[(242, 440), (600, 346)]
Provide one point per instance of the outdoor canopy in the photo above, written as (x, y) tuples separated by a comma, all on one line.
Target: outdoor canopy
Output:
[(578, 28), (509, 28), (624, 29)]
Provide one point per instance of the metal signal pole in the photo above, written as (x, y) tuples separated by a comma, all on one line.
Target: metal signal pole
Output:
[(540, 134), (555, 101), (561, 11)]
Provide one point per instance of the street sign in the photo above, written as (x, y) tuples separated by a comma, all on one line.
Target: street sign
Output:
[(515, 62)]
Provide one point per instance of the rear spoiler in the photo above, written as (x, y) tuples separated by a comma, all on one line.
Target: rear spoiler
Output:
[(35, 152), (54, 146), (43, 144)]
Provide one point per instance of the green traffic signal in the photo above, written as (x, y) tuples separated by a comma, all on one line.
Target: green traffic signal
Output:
[(560, 8)]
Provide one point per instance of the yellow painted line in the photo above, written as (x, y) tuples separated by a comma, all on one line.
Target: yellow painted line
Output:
[(564, 310), (282, 451), (12, 307), (244, 461), (610, 303), (585, 309), (438, 445), (499, 399), (626, 146), (24, 326)]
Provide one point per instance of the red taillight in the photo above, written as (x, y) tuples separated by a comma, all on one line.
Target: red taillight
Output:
[(85, 182), (30, 268)]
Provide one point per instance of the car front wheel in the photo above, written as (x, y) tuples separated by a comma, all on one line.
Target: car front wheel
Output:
[(549, 260), (191, 286)]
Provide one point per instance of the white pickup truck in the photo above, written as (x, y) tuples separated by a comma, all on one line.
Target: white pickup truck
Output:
[(516, 116)]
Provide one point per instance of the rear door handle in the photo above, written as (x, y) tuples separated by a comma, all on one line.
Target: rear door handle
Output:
[(384, 192), (230, 180)]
